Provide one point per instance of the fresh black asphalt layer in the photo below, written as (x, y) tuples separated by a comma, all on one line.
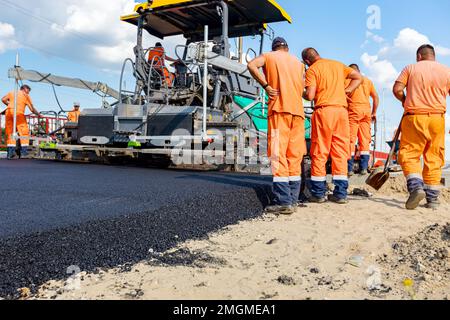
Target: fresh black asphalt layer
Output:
[(56, 215)]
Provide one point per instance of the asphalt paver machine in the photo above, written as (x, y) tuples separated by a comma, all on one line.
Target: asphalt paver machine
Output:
[(210, 108)]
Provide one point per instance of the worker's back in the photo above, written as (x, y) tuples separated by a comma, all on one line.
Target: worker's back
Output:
[(360, 98), (427, 84), (23, 100), (156, 56), (284, 72), (328, 76)]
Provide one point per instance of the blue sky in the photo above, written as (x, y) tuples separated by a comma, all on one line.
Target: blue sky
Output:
[(89, 41)]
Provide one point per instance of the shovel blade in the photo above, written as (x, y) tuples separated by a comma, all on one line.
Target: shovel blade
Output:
[(378, 178)]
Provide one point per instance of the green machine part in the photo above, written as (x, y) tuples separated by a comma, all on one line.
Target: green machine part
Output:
[(259, 115), (47, 146)]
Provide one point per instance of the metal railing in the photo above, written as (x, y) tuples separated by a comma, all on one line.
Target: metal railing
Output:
[(38, 126)]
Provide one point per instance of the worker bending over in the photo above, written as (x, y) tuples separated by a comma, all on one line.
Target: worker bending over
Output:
[(361, 116), (325, 84), (283, 80), (157, 57), (74, 115), (427, 85), (23, 101)]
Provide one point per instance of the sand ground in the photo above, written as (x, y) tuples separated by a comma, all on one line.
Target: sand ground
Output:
[(363, 250)]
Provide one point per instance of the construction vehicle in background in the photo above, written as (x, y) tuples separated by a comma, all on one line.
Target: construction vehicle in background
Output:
[(212, 107)]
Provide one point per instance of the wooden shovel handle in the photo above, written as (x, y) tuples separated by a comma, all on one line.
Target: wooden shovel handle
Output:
[(394, 146)]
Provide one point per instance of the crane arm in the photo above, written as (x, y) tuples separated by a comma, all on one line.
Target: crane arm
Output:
[(48, 78)]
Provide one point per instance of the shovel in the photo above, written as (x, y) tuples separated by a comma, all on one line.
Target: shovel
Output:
[(380, 175)]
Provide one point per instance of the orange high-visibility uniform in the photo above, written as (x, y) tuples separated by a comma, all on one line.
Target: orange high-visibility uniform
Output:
[(360, 117), (330, 138), (423, 128), (423, 135), (157, 57), (286, 117), (330, 125), (73, 116), (287, 146), (23, 100)]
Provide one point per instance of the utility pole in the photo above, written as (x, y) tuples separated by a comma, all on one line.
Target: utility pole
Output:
[(383, 134), (16, 90), (241, 49)]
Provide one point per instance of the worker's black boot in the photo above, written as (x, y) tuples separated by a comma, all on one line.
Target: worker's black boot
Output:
[(11, 153), (432, 198), (364, 171), (351, 164), (276, 209), (433, 204), (415, 198), (24, 153), (335, 199), (314, 199), (416, 192)]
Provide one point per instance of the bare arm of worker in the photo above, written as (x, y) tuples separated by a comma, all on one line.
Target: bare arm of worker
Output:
[(253, 67), (5, 100), (356, 80), (34, 110), (310, 93), (171, 59), (399, 92), (376, 103), (31, 107)]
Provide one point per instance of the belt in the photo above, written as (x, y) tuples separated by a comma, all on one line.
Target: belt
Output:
[(424, 114), (321, 107)]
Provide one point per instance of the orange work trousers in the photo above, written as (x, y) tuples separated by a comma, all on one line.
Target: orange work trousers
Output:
[(287, 146), (360, 130), (22, 129), (167, 75), (330, 136), (423, 135)]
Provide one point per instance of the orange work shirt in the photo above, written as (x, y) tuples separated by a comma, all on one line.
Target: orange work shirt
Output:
[(328, 76), (23, 100), (284, 72), (73, 116), (427, 84), (360, 99), (156, 55)]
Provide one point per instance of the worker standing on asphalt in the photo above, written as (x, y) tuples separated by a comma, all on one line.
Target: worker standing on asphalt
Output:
[(325, 84), (361, 115), (283, 80), (74, 115), (423, 128), (157, 57), (23, 101)]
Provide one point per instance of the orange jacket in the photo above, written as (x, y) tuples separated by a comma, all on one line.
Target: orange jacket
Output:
[(156, 55), (73, 116), (285, 73), (427, 84), (328, 76), (23, 100)]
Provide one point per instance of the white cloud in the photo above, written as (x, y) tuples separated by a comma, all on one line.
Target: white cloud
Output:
[(85, 31), (381, 71), (114, 54), (442, 51), (404, 47), (7, 37), (401, 52), (374, 37)]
